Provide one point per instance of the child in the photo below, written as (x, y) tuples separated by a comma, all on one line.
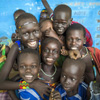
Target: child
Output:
[(62, 19), (29, 33), (43, 15), (17, 13), (75, 38), (46, 27), (50, 53), (28, 30), (29, 66), (72, 87), (3, 93)]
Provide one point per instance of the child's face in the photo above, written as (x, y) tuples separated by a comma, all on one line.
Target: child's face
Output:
[(50, 53), (46, 27), (75, 39), (70, 77), (44, 15), (29, 33), (28, 67), (60, 22)]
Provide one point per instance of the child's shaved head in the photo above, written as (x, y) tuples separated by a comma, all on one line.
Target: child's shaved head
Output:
[(62, 9), (24, 18)]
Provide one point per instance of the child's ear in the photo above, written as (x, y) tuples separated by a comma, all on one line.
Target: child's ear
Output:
[(17, 34), (82, 78), (84, 40), (15, 66), (70, 21)]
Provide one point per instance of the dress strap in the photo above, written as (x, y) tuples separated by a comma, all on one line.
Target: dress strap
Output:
[(94, 68)]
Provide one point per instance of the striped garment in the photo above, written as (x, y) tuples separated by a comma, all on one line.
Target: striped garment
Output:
[(28, 94), (81, 95), (5, 96)]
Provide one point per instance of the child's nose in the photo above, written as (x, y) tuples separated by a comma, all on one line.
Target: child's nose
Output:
[(73, 42), (59, 25), (28, 69), (32, 36), (67, 81)]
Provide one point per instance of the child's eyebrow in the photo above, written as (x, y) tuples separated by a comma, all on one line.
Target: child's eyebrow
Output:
[(26, 24)]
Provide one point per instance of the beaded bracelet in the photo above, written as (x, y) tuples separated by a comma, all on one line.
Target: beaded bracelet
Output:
[(23, 85)]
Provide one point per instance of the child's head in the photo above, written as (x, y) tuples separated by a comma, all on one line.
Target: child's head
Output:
[(72, 74), (50, 50), (75, 37), (17, 13), (46, 26), (43, 15), (61, 18), (28, 30), (28, 64)]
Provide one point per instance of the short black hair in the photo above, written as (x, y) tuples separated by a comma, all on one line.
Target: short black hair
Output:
[(24, 16), (76, 26), (47, 40), (28, 51)]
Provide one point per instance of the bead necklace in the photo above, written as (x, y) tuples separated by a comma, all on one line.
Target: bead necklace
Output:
[(83, 56), (51, 76)]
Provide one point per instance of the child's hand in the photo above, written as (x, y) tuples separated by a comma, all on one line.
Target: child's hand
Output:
[(55, 95), (40, 87), (74, 54), (64, 52)]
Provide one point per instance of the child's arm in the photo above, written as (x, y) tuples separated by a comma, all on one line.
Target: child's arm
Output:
[(12, 95), (9, 62), (55, 95), (7, 50), (53, 34), (46, 5)]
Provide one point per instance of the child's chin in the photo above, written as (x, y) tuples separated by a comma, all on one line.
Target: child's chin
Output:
[(29, 81)]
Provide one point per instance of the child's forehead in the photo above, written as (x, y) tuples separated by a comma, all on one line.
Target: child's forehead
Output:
[(62, 15), (29, 56), (25, 22), (75, 32)]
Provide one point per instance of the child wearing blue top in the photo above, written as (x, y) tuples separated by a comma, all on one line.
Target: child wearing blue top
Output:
[(71, 87), (28, 66)]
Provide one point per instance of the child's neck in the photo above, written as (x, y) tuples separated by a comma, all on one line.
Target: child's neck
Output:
[(47, 68), (72, 93)]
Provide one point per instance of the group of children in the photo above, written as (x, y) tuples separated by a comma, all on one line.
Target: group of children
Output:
[(54, 58)]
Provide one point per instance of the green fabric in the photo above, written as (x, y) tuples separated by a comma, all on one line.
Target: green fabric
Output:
[(2, 63), (60, 61)]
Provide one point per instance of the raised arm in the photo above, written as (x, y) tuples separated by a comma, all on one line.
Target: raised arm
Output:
[(9, 62), (47, 6)]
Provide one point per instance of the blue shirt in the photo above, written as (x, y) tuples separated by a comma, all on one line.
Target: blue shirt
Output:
[(28, 94), (81, 95)]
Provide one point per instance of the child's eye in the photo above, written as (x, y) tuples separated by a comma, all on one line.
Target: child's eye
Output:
[(26, 34), (55, 51), (78, 39), (73, 79), (69, 39), (23, 67), (35, 31), (64, 23), (63, 76), (33, 66), (46, 50)]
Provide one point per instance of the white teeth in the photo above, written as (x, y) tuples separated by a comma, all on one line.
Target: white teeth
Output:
[(49, 59), (28, 76), (74, 48), (32, 43)]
